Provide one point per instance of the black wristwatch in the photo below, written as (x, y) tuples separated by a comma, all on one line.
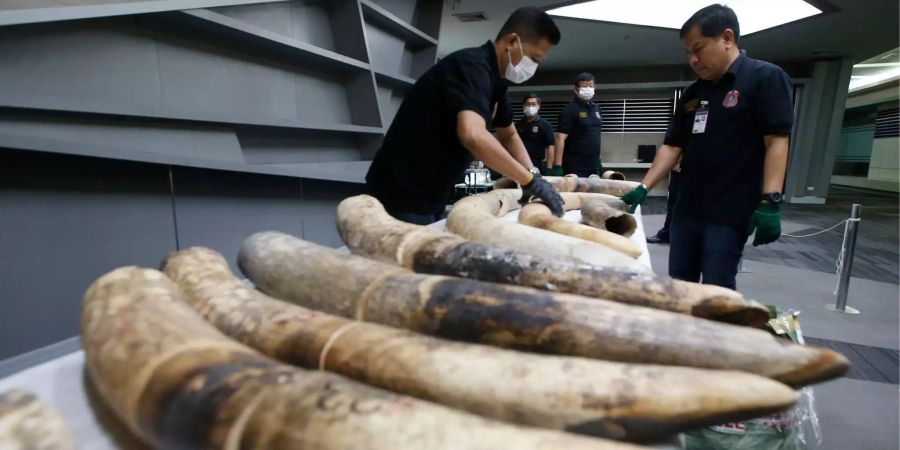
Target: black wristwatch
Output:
[(773, 197)]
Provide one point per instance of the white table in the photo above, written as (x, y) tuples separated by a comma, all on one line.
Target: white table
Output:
[(61, 384)]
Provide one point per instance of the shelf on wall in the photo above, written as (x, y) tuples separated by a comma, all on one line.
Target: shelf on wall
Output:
[(157, 113), (54, 12), (236, 28), (135, 67), (334, 25), (186, 51), (424, 15), (381, 17), (394, 79), (343, 171)]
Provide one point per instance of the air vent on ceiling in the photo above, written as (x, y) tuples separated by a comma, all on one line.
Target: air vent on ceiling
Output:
[(477, 16)]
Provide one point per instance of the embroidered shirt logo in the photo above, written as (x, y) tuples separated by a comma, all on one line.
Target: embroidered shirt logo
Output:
[(597, 113), (534, 129), (691, 105), (731, 99), (583, 114)]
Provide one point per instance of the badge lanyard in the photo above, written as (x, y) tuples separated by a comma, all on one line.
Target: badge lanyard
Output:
[(700, 118)]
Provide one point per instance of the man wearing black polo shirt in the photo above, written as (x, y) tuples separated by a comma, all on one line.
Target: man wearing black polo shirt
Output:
[(732, 126), (443, 123), (578, 131), (536, 133)]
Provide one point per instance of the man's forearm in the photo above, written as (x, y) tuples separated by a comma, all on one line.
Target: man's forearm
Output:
[(551, 153), (559, 148), (775, 163), (489, 150), (510, 140), (516, 148), (666, 158)]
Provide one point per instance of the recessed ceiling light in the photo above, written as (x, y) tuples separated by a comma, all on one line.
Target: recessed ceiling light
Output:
[(877, 65), (753, 15)]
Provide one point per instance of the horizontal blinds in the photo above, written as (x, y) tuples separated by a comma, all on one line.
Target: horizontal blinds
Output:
[(619, 115), (888, 123)]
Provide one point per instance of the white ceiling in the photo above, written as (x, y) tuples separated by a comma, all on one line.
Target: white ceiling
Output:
[(859, 29)]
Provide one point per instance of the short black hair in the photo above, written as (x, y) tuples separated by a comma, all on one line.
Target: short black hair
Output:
[(531, 24), (584, 76), (531, 95), (713, 20)]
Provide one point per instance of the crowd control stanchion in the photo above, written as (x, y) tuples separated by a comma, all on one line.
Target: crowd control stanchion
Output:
[(845, 263)]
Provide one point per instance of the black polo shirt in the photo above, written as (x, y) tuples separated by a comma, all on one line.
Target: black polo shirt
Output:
[(421, 156), (722, 168), (581, 151), (536, 135)]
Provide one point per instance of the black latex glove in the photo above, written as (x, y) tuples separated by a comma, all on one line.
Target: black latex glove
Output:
[(538, 188)]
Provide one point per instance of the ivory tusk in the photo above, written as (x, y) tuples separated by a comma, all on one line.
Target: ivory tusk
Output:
[(477, 218), (26, 423), (509, 316), (369, 230), (179, 383), (626, 401), (539, 215), (600, 215), (572, 183)]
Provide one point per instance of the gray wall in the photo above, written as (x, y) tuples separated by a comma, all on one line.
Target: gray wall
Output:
[(66, 220), (124, 137)]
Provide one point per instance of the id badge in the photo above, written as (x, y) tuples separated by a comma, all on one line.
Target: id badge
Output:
[(700, 118)]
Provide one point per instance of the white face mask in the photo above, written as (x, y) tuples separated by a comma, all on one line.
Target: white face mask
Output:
[(530, 111), (586, 93), (521, 72)]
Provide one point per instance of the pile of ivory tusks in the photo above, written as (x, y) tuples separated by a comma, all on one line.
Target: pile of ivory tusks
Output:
[(427, 340)]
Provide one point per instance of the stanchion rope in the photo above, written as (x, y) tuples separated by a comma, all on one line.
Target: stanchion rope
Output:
[(823, 231)]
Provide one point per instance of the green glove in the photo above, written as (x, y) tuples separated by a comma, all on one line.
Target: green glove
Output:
[(556, 171), (767, 222), (635, 198)]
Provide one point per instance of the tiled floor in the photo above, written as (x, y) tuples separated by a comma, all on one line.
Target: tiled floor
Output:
[(877, 239), (862, 409), (869, 363)]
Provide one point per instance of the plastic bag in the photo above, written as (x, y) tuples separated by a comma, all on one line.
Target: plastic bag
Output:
[(793, 429)]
